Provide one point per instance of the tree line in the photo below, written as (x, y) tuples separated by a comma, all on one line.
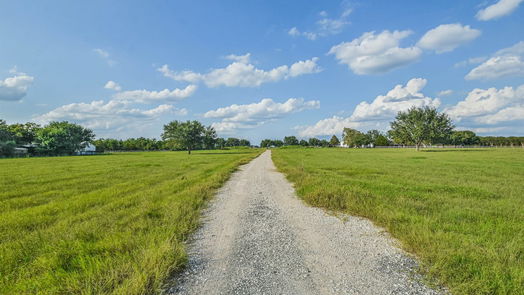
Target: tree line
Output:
[(53, 139), (416, 126)]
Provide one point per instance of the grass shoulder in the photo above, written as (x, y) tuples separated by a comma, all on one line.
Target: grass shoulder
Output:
[(103, 224), (460, 211)]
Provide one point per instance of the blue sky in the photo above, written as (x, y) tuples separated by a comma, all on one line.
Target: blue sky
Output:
[(261, 69)]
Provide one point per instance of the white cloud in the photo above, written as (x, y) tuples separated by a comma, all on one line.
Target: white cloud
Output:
[(445, 92), (104, 55), (471, 61), (508, 62), (243, 74), (146, 96), (113, 86), (252, 115), (489, 106), (400, 98), (512, 113), (240, 58), (379, 112), (15, 88), (325, 26), (497, 10), (376, 53), (445, 38), (110, 115), (329, 126)]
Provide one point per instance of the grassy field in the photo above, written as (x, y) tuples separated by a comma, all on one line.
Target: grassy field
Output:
[(102, 224), (460, 211)]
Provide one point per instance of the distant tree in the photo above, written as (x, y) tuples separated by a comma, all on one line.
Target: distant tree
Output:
[(303, 143), (290, 140), (220, 143), (354, 138), (7, 144), (381, 140), (210, 138), (244, 142), (232, 141), (324, 143), (421, 126), (5, 133), (7, 148), (277, 143), (314, 141), (186, 135), (266, 143), (24, 133), (377, 138), (464, 137), (334, 141), (59, 138)]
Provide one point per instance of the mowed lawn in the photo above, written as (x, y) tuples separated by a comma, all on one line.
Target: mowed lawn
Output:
[(103, 224), (460, 211)]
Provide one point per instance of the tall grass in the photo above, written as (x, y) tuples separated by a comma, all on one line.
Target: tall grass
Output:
[(110, 224), (460, 211)]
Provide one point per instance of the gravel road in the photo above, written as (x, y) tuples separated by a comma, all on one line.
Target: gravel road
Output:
[(257, 237)]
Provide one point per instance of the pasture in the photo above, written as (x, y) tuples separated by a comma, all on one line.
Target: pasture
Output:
[(109, 224), (461, 211)]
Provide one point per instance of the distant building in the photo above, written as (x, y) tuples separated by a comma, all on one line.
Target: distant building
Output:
[(89, 149)]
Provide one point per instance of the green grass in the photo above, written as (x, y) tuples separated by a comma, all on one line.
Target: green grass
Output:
[(460, 211), (112, 224)]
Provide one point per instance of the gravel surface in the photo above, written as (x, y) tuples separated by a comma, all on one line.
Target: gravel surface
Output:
[(259, 238)]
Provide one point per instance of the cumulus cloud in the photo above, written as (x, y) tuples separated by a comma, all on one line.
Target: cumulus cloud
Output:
[(445, 38), (508, 62), (490, 106), (110, 115), (497, 10), (325, 26), (379, 112), (113, 86), (241, 73), (376, 53), (251, 115), (400, 98), (105, 56), (147, 96), (15, 88)]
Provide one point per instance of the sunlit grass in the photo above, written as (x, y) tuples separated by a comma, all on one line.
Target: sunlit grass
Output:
[(460, 211), (103, 224)]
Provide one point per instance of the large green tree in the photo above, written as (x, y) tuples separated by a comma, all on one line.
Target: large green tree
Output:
[(24, 133), (187, 135), (63, 138), (419, 126)]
